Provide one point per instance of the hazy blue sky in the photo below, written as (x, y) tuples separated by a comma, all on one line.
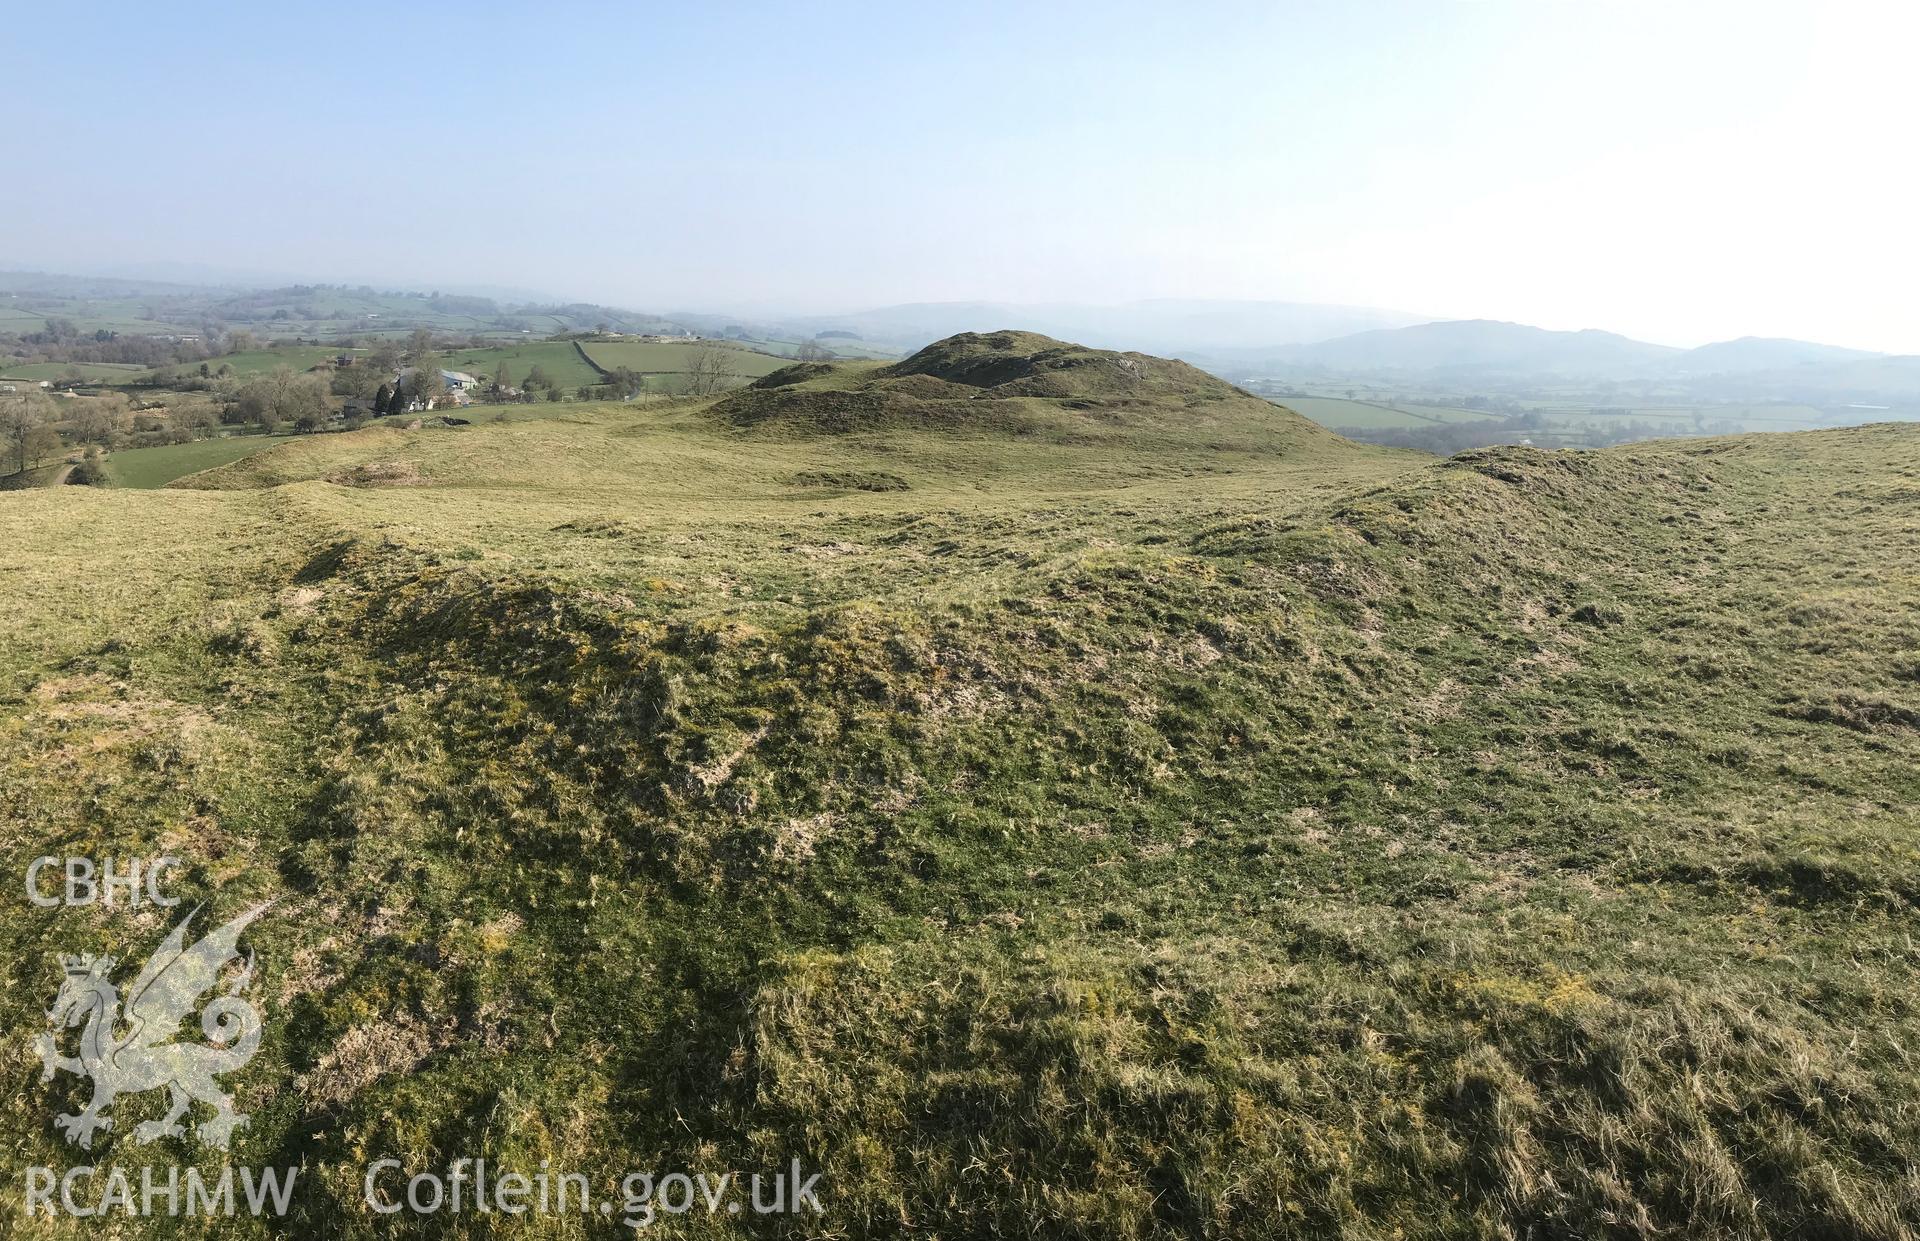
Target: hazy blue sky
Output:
[(1676, 171)]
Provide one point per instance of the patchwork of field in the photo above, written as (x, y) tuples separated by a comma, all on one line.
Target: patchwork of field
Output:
[(662, 358), (1338, 412), (852, 350), (26, 323), (559, 359)]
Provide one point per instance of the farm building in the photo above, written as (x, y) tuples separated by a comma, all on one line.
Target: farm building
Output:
[(456, 383)]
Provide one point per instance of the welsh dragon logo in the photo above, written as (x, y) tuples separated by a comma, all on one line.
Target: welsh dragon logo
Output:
[(133, 1052)]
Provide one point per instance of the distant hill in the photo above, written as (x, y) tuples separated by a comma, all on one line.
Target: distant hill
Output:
[(1873, 377), (1751, 354), (1483, 345), (133, 306), (1161, 326), (1485, 349)]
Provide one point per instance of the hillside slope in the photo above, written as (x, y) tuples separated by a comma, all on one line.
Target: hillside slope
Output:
[(1089, 837)]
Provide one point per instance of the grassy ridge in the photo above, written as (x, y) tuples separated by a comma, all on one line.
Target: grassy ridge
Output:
[(1094, 836)]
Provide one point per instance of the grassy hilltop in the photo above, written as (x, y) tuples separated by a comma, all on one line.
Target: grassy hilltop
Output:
[(1047, 791)]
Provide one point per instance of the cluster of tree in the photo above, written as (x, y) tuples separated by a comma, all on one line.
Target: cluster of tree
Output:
[(539, 385), (91, 470), (60, 340), (454, 304), (202, 378), (34, 431), (176, 423), (97, 420), (622, 383), (27, 435), (279, 398), (419, 386), (108, 347)]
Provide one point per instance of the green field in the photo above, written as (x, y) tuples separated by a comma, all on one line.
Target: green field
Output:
[(261, 361), (20, 322), (87, 320), (559, 359), (650, 358), (156, 467), (851, 350), (1047, 794)]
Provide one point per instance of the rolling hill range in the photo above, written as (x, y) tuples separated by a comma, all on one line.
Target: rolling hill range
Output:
[(1755, 353), (1045, 791), (1483, 350), (1486, 345)]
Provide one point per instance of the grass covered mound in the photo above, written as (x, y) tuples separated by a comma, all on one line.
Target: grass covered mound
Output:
[(1016, 383), (1005, 364), (1092, 839)]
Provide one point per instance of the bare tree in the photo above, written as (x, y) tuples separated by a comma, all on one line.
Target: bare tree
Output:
[(281, 396), (94, 420), (18, 419), (425, 384), (43, 442), (384, 359), (192, 416), (709, 366)]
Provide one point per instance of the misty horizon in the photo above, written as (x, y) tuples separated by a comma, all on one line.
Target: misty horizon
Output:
[(191, 275)]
